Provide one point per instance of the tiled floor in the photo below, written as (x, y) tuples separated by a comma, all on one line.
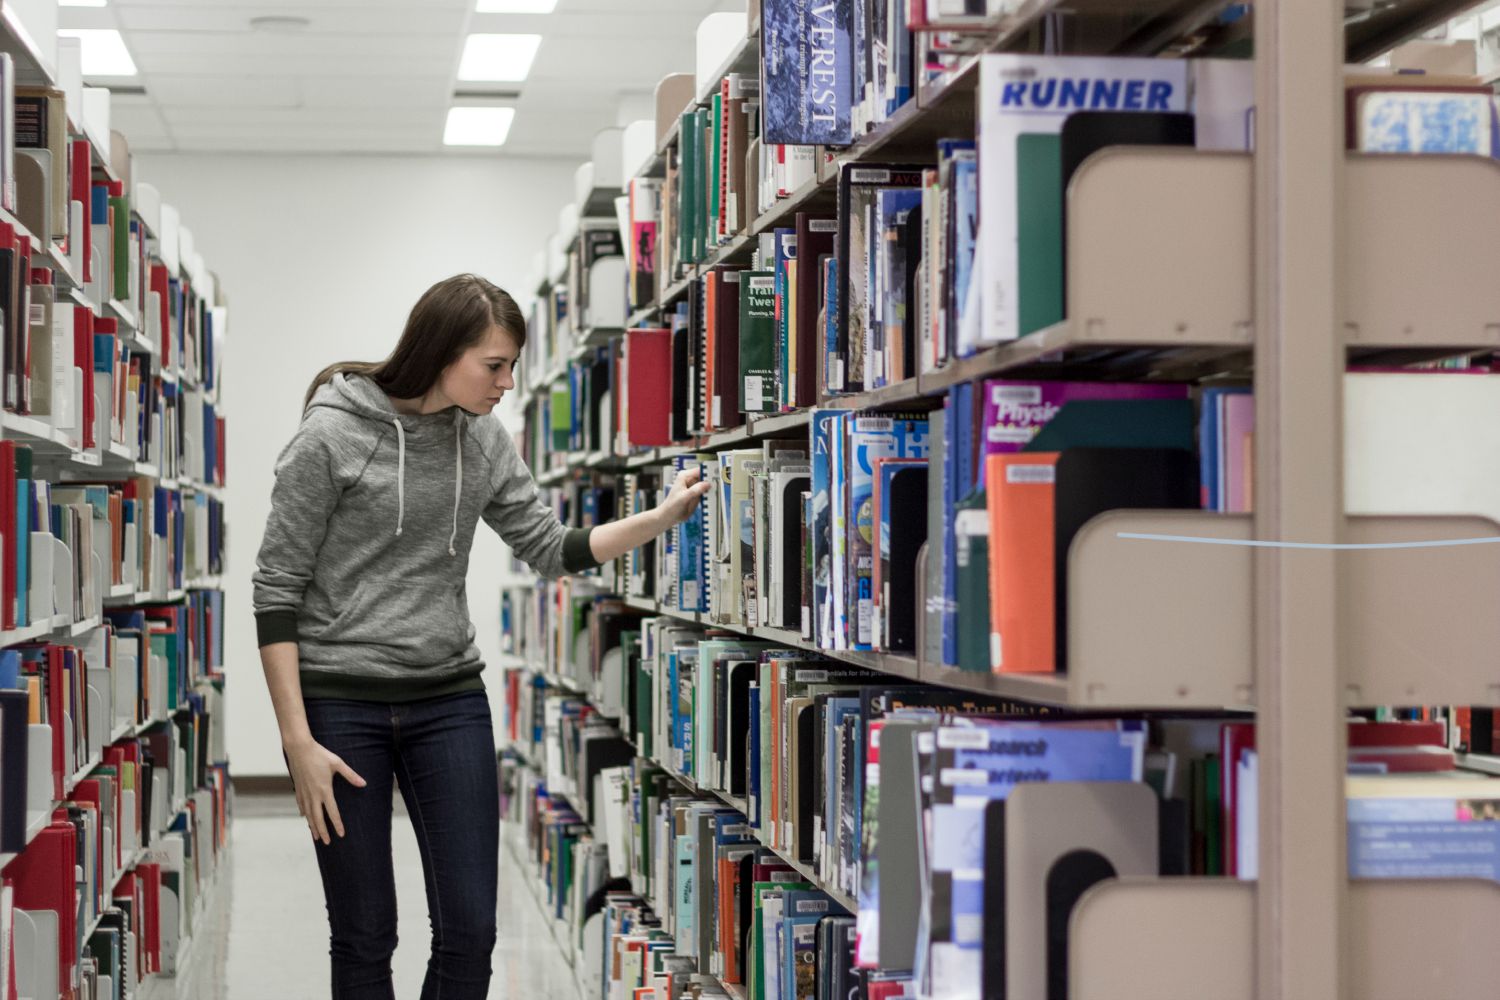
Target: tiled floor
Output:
[(267, 933)]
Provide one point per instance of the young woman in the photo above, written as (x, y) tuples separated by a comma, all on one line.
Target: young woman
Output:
[(364, 627)]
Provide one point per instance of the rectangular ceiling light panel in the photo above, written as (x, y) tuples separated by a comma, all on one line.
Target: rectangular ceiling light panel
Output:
[(478, 126), (504, 58)]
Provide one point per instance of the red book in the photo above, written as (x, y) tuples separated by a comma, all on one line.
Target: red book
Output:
[(161, 285), (83, 359), (8, 516), (82, 190), (1396, 734), (43, 877), (149, 878), (648, 387), (725, 377)]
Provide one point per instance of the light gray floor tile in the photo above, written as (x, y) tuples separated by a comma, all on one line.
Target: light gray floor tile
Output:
[(266, 934)]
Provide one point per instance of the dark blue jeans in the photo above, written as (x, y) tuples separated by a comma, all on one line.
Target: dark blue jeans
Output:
[(441, 753)]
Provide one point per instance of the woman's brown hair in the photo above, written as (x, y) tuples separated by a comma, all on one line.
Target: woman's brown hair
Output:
[(450, 317)]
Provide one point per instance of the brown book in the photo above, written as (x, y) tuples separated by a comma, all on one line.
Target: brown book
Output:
[(736, 204), (725, 322)]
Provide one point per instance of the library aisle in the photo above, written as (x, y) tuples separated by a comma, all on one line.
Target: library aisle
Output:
[(266, 934), (830, 499)]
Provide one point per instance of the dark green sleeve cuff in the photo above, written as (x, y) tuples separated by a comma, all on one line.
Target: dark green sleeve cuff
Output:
[(577, 555), (278, 625)]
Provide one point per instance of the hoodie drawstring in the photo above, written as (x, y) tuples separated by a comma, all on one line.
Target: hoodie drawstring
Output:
[(458, 481), (400, 476)]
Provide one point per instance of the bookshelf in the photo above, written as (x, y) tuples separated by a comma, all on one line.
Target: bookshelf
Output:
[(1261, 283), (114, 603)]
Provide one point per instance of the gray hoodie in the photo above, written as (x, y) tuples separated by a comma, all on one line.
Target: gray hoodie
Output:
[(366, 549)]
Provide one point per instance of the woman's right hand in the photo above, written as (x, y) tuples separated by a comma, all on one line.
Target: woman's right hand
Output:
[(313, 768)]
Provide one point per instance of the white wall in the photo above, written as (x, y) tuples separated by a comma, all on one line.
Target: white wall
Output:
[(321, 259)]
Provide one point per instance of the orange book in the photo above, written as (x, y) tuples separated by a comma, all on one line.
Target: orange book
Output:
[(1021, 488), (729, 876)]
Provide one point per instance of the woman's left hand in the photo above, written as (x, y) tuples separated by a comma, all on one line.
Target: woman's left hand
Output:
[(682, 499)]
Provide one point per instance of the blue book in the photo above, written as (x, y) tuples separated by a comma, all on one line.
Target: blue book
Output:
[(958, 483), (836, 711), (1426, 827), (839, 587), (832, 359), (872, 436), (887, 260), (823, 425), (965, 214), (752, 781), (692, 585), (10, 669), (1210, 461), (808, 58), (800, 913), (686, 664), (786, 251), (23, 552)]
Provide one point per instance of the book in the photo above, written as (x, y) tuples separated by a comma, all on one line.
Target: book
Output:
[(1023, 95), (807, 54)]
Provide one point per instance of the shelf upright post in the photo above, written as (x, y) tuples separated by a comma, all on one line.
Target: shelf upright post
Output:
[(1299, 362)]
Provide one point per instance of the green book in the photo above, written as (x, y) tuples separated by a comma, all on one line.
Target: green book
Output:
[(643, 693), (562, 417), (121, 250), (716, 161), (1213, 844), (1118, 423), (757, 379), (700, 209), (972, 554), (688, 149), (1039, 231)]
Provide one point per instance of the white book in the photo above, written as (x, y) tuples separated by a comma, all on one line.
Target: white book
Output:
[(1021, 94)]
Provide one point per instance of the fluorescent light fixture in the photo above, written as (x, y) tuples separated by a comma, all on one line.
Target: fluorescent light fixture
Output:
[(498, 57), (478, 126), (515, 6), (81, 3), (104, 52)]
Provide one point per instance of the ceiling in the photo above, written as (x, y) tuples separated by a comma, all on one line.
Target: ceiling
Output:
[(378, 76)]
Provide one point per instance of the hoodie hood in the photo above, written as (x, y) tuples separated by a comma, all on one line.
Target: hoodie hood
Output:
[(361, 397)]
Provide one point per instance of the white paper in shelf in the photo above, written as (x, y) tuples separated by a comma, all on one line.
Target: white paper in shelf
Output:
[(1422, 443), (1247, 816)]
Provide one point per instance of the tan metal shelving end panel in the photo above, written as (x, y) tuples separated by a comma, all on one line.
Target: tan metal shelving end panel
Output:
[(1160, 624), (1420, 253), (1419, 624), (1143, 272), (1187, 939), (1163, 939)]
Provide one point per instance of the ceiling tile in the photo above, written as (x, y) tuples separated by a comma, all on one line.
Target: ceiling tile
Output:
[(378, 76), (214, 93)]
